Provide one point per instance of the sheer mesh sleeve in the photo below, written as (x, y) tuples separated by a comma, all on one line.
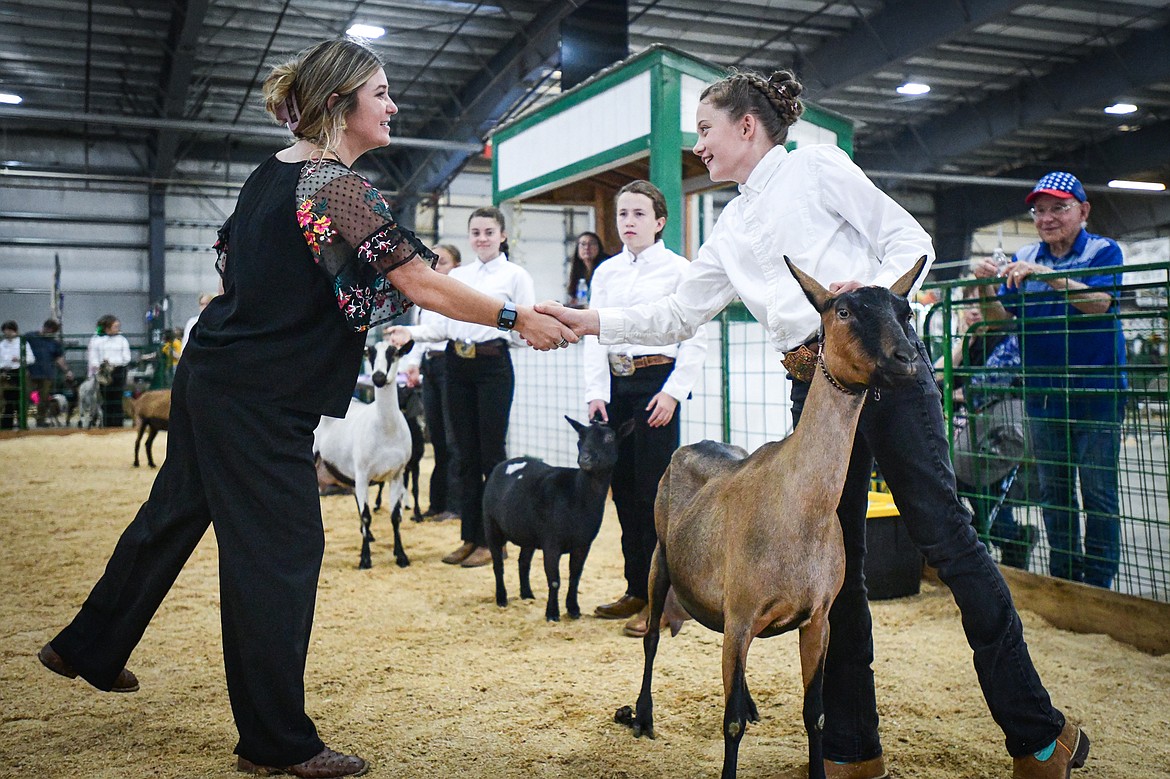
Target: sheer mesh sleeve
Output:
[(355, 240), (221, 246)]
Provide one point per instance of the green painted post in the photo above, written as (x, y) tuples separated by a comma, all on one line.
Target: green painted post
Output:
[(666, 143)]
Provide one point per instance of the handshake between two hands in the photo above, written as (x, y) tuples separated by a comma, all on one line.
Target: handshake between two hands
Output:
[(545, 326)]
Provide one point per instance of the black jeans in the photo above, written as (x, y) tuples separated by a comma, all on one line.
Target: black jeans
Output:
[(642, 459), (249, 471), (903, 430), (444, 484), (480, 403)]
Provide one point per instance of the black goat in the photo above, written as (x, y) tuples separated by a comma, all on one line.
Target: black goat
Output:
[(558, 510)]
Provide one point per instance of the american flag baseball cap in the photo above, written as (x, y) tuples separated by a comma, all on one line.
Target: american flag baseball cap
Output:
[(1058, 184)]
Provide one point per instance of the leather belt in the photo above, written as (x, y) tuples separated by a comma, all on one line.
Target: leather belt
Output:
[(623, 365), (469, 350), (801, 362)]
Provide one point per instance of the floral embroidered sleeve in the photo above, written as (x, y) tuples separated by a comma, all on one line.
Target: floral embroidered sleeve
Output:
[(355, 240), (221, 247)]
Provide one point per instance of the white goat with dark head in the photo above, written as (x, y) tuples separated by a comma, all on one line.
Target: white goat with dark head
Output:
[(371, 444)]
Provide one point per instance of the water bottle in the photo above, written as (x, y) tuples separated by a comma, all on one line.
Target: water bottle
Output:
[(582, 297), (999, 256)]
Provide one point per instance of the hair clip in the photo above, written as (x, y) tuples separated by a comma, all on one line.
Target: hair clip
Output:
[(289, 112)]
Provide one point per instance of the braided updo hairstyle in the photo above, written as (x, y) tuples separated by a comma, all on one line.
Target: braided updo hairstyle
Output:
[(308, 80), (775, 100)]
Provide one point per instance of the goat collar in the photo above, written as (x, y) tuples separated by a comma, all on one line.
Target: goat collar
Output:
[(825, 370)]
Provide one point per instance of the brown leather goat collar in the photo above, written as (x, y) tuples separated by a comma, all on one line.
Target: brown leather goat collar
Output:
[(836, 384)]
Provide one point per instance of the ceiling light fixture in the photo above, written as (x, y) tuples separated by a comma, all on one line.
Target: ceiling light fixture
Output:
[(365, 31), (1147, 186), (913, 88), (10, 99), (1121, 109)]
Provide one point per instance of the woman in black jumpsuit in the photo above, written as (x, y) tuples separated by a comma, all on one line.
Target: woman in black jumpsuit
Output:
[(310, 259)]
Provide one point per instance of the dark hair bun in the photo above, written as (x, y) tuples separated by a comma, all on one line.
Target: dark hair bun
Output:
[(785, 92)]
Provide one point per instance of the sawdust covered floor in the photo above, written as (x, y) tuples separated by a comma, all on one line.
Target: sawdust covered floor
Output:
[(417, 670)]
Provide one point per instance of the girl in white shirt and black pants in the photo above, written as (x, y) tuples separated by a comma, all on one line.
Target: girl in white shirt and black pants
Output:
[(480, 379), (646, 384), (817, 207)]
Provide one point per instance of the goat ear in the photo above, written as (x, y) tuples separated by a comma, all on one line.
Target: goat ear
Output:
[(902, 286), (816, 294), (405, 348), (580, 428), (626, 428)]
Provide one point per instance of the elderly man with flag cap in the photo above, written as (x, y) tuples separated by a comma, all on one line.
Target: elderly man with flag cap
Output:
[(1073, 362)]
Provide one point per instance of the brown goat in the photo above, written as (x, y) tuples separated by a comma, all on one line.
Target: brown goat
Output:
[(151, 410), (750, 544)]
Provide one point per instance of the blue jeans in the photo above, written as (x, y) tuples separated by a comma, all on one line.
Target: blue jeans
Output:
[(1066, 449), (903, 429)]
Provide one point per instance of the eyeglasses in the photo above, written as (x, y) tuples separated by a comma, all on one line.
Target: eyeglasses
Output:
[(1061, 210)]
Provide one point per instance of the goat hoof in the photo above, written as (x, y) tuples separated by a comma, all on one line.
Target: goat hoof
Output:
[(502, 603), (402, 562), (365, 565), (527, 595), (575, 614), (552, 617)]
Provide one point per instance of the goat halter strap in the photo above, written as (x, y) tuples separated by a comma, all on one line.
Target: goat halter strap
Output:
[(836, 384)]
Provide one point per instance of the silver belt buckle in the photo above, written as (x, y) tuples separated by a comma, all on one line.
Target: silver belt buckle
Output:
[(465, 349), (621, 365)]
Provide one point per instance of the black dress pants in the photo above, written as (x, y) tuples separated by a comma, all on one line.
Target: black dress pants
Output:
[(111, 398), (444, 478), (246, 468), (642, 459), (481, 401)]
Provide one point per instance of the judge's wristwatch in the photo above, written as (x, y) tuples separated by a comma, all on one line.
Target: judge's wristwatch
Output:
[(506, 319)]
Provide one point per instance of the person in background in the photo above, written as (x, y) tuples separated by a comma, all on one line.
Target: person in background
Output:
[(204, 299), (10, 373), (311, 258), (109, 347), (815, 206), (426, 363), (624, 382), (480, 378), (50, 357), (1073, 363), (588, 254)]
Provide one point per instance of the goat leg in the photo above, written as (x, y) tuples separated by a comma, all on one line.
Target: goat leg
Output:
[(552, 572), (412, 473), (149, 447), (736, 640), (364, 563), (659, 585), (576, 565), (524, 563), (814, 645), (496, 546), (378, 497), (396, 520)]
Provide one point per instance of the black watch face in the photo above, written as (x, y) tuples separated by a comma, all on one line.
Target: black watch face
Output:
[(507, 319)]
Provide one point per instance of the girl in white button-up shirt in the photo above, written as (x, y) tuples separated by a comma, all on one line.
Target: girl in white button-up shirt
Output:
[(818, 208), (644, 272), (480, 378)]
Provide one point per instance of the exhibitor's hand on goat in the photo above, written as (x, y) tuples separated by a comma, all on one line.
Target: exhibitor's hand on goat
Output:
[(661, 408), (841, 287), (541, 331), (582, 321), (399, 336), (597, 409)]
